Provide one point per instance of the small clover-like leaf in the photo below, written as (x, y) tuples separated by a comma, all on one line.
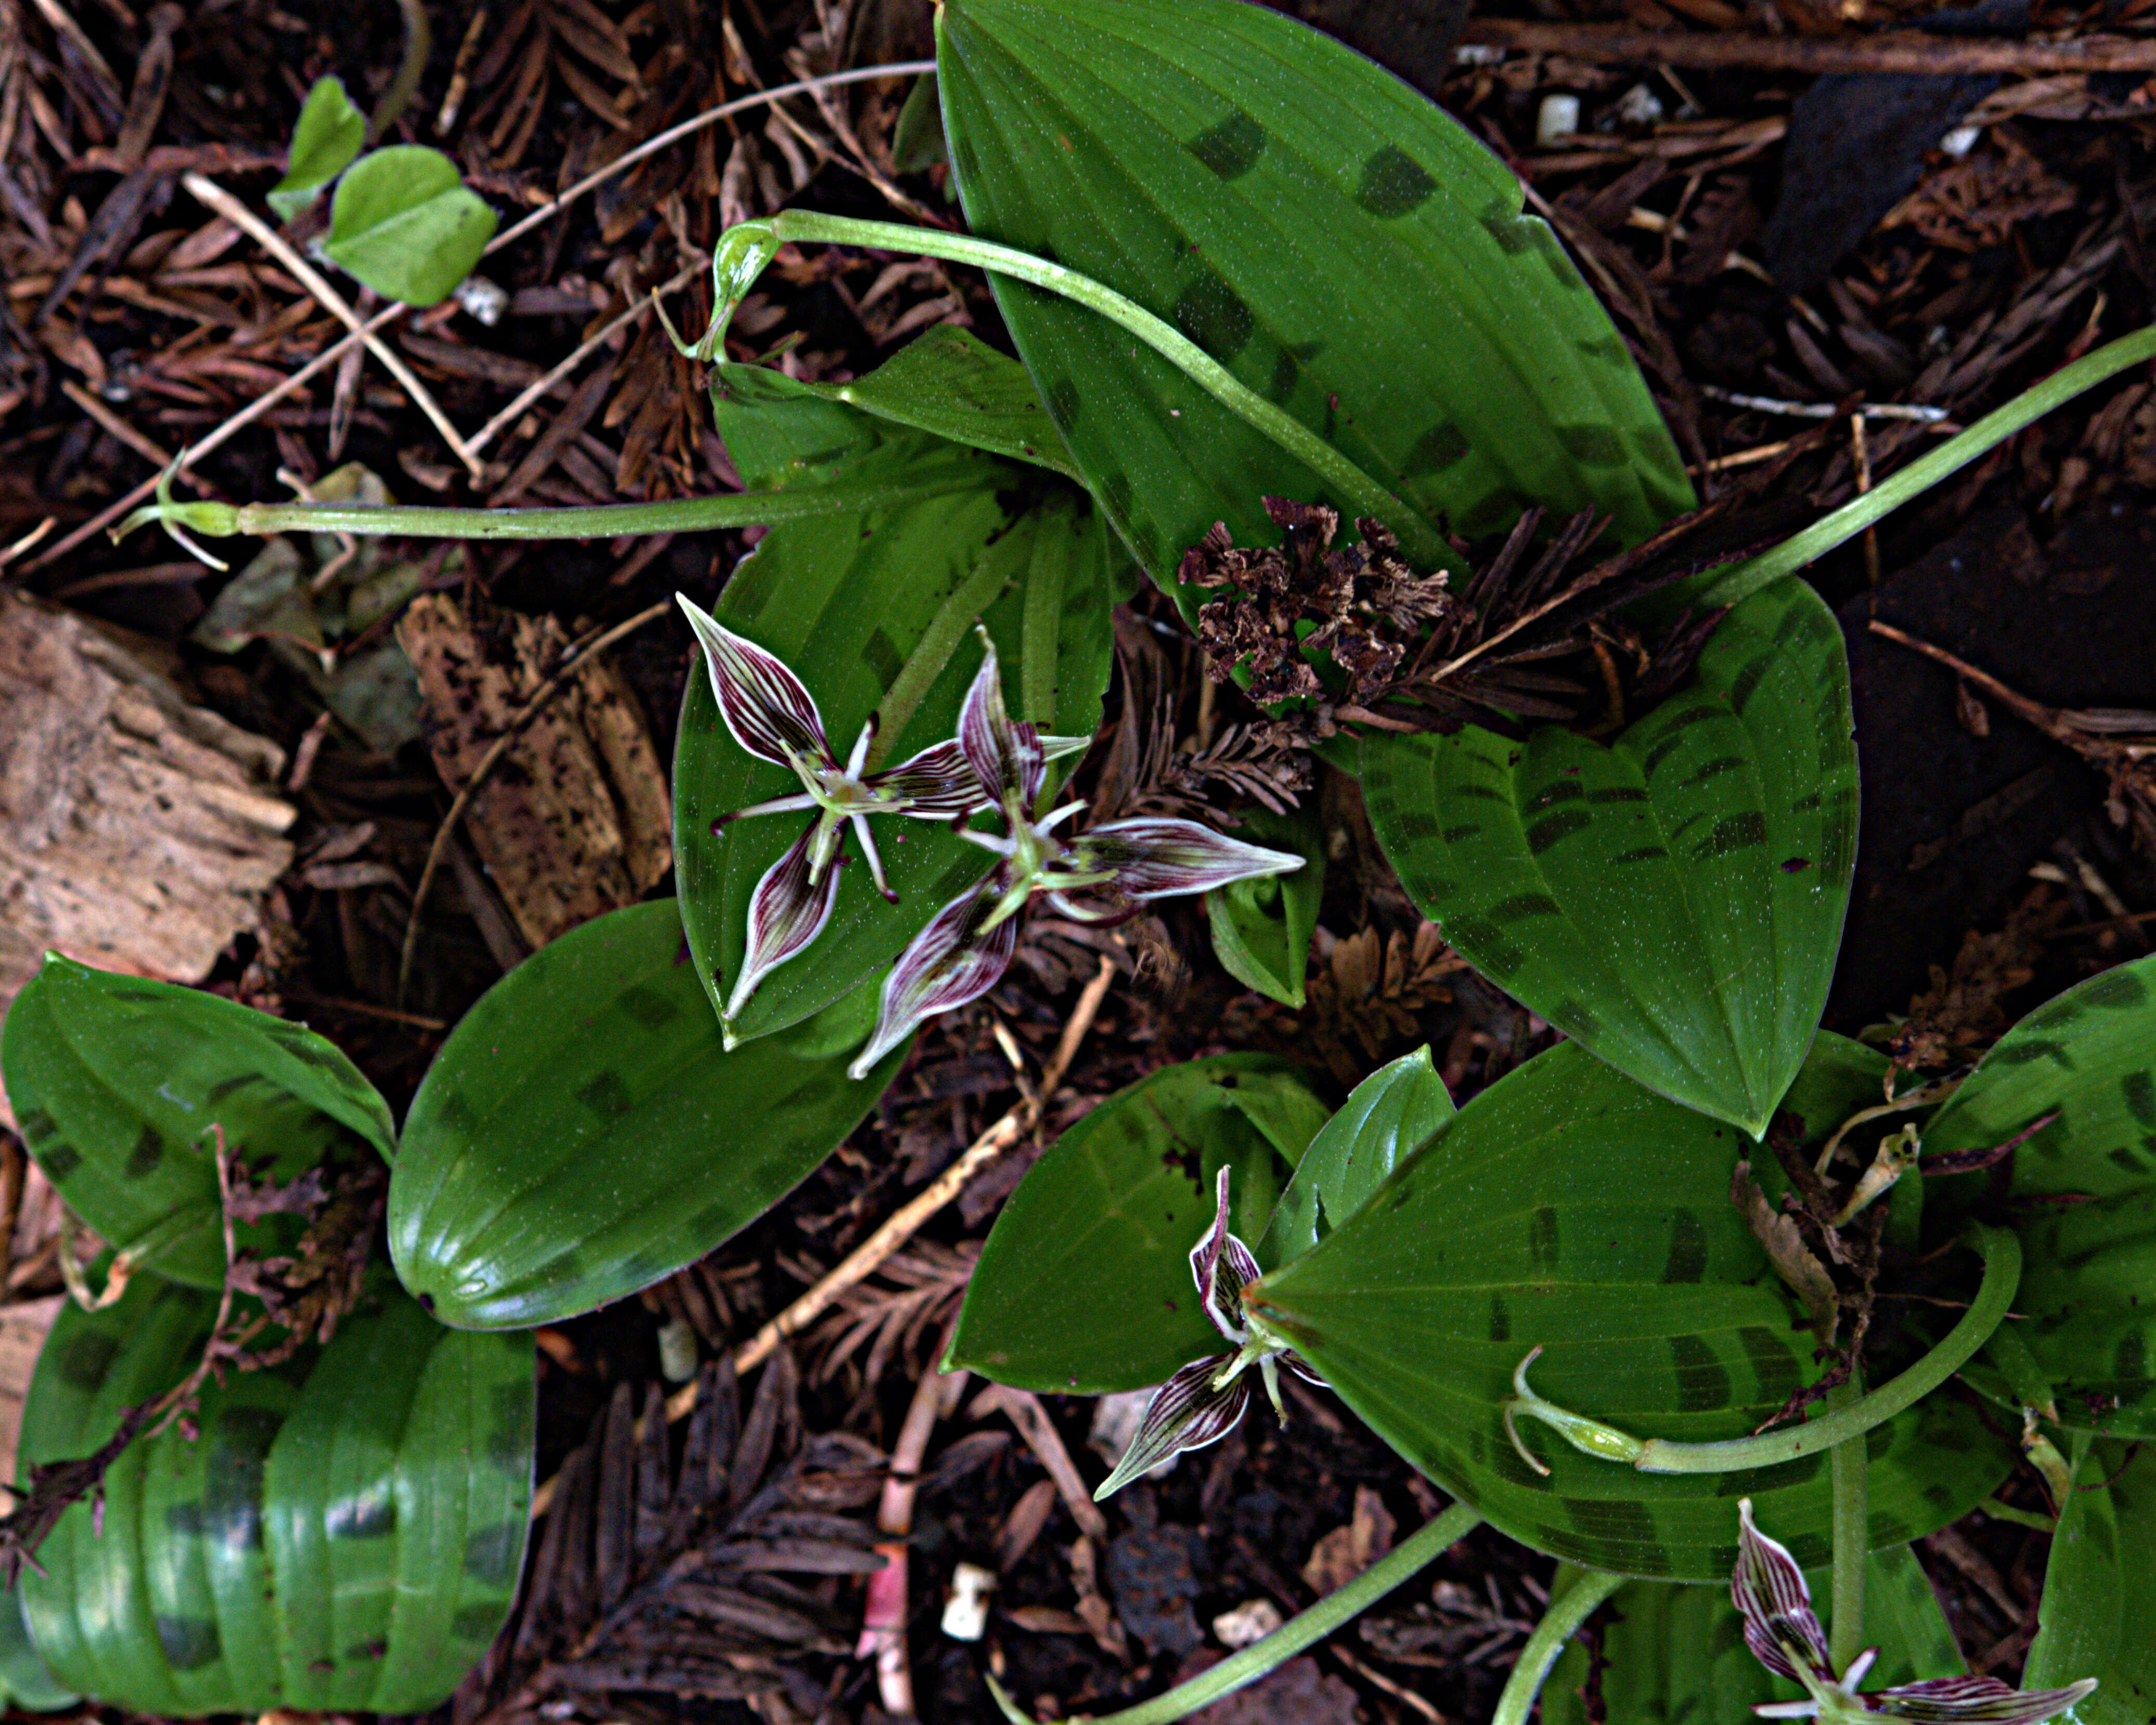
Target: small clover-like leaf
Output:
[(404, 224), (329, 135)]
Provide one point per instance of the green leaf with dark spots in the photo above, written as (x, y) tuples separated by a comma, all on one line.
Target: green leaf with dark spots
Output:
[(25, 1680), (1084, 1284), (1343, 247), (1395, 1110), (2099, 1591), (308, 1549), (1261, 927), (1673, 900), (116, 1082), (874, 612), (1569, 1209), (2084, 1191), (584, 1132)]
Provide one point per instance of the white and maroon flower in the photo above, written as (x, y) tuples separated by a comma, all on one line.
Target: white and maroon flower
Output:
[(1200, 1404), (1784, 1633), (1102, 875), (773, 716)]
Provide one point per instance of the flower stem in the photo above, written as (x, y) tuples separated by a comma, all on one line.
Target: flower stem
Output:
[(1334, 1611), (1740, 580), (1564, 1616), (681, 515), (2001, 1252), (1852, 1534), (1419, 539)]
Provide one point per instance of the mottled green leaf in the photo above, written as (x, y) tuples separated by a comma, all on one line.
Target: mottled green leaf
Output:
[(2088, 1277), (116, 1082), (583, 1132), (916, 137), (1673, 900), (345, 1533), (329, 135), (2100, 1591), (25, 1680), (1261, 927), (1395, 1110), (403, 223), (1084, 1284), (1568, 1208), (1345, 248), (875, 613)]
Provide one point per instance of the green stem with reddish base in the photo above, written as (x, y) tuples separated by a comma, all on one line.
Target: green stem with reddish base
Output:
[(1336, 1610)]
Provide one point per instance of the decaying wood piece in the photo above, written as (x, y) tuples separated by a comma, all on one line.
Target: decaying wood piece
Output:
[(578, 819), (137, 832)]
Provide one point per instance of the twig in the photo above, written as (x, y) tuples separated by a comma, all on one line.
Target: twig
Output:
[(883, 1610), (146, 447), (208, 192), (332, 355), (902, 1226), (1025, 1412), (509, 415), (1886, 51), (578, 655), (1825, 410)]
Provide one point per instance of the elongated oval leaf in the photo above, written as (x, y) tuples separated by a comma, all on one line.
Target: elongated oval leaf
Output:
[(950, 382), (25, 1680), (1396, 1109), (1673, 901), (345, 1534), (1569, 1208), (1084, 1284), (2100, 1591), (1261, 927), (329, 135), (583, 1131), (875, 613), (1342, 246), (403, 223), (2088, 1276), (117, 1082)]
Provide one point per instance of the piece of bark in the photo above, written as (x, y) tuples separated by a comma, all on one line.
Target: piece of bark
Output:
[(137, 832), (577, 818)]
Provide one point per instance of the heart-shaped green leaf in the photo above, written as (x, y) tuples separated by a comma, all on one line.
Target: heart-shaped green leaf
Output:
[(875, 613), (117, 1082), (583, 1131), (329, 135), (2088, 1274), (1395, 1110), (345, 1534), (1342, 246), (2099, 1591), (1261, 927), (1569, 1209), (403, 223), (1084, 1284), (1673, 901)]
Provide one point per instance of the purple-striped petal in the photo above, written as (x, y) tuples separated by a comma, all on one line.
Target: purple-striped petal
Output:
[(1978, 1701), (950, 962), (1158, 858), (938, 784), (1222, 1266), (1007, 759), (1768, 1589), (786, 912), (771, 714), (1186, 1413)]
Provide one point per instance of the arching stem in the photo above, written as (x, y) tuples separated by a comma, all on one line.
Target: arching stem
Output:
[(1852, 1534), (743, 250), (2001, 1252), (1559, 1623), (1337, 1608)]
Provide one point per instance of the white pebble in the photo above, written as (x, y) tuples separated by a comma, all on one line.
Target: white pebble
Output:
[(1961, 140), (966, 1606), (677, 1351), (1558, 117), (486, 300), (1252, 1620), (1639, 106)]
